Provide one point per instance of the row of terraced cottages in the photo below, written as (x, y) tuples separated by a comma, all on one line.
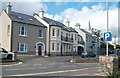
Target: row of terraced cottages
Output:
[(39, 35)]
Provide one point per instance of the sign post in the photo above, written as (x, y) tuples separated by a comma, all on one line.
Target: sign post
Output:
[(107, 37)]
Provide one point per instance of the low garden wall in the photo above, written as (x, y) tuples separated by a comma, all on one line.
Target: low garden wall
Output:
[(108, 64)]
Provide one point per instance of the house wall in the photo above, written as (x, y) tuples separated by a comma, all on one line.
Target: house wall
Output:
[(47, 32), (5, 37), (74, 43), (31, 39), (0, 30), (83, 36), (88, 43), (96, 45), (55, 39)]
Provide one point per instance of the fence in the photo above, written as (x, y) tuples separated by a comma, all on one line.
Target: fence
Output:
[(62, 53)]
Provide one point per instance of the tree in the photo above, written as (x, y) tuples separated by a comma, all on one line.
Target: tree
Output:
[(118, 46)]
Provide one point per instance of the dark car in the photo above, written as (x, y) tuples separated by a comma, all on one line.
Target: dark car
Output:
[(88, 54)]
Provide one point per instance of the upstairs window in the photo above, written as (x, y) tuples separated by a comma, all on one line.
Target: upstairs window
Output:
[(40, 35), (75, 36), (53, 32), (58, 32), (61, 33), (72, 36), (67, 35), (22, 31), (8, 30)]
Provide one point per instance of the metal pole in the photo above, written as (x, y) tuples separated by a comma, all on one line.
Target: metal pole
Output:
[(107, 27), (115, 41)]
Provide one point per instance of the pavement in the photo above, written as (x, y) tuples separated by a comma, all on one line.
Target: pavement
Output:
[(51, 67)]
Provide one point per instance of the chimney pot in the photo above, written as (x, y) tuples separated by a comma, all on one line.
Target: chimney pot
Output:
[(9, 6), (41, 13)]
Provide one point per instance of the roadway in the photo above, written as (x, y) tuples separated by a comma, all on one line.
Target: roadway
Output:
[(53, 66)]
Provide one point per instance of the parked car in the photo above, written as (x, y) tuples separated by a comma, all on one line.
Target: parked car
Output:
[(88, 54), (6, 55)]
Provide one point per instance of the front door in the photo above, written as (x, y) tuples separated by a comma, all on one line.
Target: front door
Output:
[(39, 50)]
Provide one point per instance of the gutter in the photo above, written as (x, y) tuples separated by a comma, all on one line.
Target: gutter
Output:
[(11, 37)]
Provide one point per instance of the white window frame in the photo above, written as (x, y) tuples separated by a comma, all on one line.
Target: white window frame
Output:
[(53, 46), (25, 48), (41, 34), (54, 32), (58, 32), (20, 31)]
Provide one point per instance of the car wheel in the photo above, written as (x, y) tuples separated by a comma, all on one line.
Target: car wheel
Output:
[(9, 57)]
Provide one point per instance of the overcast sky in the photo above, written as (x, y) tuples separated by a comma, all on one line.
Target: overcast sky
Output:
[(79, 11)]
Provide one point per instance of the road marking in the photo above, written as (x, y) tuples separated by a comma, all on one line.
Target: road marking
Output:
[(25, 68), (88, 74), (81, 75), (13, 64), (54, 72), (37, 64), (87, 63)]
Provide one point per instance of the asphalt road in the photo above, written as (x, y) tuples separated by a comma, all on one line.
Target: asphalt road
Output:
[(53, 66)]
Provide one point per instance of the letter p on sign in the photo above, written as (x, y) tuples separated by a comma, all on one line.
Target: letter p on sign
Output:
[(107, 36)]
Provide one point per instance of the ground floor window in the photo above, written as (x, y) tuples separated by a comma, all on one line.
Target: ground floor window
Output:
[(22, 47), (53, 46), (57, 46)]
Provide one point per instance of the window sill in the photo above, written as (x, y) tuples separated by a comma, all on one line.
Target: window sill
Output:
[(22, 52), (40, 37), (23, 35)]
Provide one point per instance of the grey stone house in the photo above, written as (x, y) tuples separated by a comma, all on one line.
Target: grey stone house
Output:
[(22, 33)]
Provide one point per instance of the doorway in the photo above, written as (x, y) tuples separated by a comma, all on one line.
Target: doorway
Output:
[(39, 50)]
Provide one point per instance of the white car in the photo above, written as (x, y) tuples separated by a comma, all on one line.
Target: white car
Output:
[(6, 54)]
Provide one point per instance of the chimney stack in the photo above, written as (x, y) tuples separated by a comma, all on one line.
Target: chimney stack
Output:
[(9, 6), (41, 13)]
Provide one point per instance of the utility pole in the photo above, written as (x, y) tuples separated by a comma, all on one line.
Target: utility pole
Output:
[(115, 41), (107, 27)]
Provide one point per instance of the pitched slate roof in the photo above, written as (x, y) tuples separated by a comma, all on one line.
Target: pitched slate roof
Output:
[(70, 29), (23, 18), (52, 22), (86, 32), (56, 23)]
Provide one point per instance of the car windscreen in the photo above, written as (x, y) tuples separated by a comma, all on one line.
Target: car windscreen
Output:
[(3, 50)]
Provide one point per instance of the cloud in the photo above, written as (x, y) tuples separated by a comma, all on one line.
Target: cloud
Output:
[(54, 17), (96, 15), (26, 7)]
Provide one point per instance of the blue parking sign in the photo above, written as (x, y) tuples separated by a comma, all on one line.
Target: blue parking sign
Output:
[(107, 36)]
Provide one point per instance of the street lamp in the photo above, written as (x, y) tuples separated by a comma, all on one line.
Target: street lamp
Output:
[(107, 27)]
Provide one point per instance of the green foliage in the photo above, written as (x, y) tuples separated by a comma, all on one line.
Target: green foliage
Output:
[(103, 45), (118, 46), (102, 39), (115, 74)]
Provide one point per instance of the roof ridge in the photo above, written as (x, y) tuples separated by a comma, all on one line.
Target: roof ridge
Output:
[(54, 20), (21, 13)]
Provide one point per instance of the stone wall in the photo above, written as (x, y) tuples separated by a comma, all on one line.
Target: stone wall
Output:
[(108, 64)]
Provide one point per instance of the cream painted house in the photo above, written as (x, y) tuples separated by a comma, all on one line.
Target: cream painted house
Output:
[(60, 40)]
